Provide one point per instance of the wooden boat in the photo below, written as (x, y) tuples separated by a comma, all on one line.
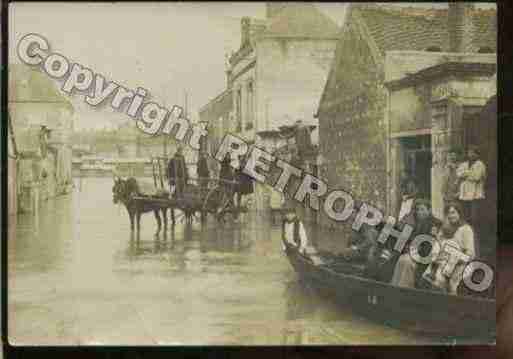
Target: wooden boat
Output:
[(429, 312)]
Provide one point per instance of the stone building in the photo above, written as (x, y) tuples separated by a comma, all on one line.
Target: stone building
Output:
[(403, 81), (217, 114), (278, 73), (35, 101)]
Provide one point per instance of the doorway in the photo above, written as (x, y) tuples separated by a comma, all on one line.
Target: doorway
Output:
[(417, 162)]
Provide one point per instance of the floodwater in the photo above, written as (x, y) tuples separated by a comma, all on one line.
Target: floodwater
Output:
[(78, 276)]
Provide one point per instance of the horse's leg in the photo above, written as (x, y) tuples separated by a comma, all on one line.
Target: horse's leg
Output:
[(159, 222), (203, 214), (131, 216), (138, 216), (164, 215), (172, 209)]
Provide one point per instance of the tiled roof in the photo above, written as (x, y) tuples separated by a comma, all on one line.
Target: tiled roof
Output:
[(441, 70), (301, 20), (418, 29)]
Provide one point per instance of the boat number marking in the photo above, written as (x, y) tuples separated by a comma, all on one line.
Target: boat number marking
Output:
[(372, 299)]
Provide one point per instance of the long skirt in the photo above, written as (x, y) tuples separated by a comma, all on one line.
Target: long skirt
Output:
[(404, 272)]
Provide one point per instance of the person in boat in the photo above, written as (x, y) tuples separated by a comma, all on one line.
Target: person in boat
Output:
[(293, 231), (365, 248), (362, 246), (407, 273), (455, 232)]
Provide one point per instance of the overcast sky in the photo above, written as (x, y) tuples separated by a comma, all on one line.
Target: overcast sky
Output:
[(167, 48)]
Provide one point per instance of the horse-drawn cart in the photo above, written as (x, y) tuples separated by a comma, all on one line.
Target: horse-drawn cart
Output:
[(201, 196), (216, 199)]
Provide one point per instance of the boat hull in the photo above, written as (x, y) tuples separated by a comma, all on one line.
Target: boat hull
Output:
[(415, 310)]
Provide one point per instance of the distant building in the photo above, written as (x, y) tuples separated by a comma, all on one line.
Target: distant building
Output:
[(44, 169), (402, 86)]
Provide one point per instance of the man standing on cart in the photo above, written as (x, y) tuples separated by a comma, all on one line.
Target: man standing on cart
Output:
[(203, 171), (177, 173)]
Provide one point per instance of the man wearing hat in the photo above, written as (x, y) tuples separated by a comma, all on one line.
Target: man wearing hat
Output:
[(44, 133), (303, 139), (177, 172)]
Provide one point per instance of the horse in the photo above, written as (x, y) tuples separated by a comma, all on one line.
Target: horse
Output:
[(124, 191)]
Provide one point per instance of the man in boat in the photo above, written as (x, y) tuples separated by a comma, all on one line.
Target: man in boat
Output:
[(365, 248)]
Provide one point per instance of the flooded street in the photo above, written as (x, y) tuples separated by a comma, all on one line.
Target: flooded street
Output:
[(77, 276)]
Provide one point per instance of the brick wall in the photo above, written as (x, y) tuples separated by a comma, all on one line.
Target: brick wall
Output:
[(352, 127)]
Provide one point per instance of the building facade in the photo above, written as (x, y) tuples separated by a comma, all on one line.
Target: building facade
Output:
[(277, 75), (217, 115), (398, 75), (34, 101)]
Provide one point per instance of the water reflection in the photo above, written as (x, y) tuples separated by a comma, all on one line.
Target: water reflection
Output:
[(78, 274)]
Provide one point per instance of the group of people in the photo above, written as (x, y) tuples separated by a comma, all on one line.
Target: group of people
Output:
[(383, 263), (463, 192), (235, 183), (464, 183)]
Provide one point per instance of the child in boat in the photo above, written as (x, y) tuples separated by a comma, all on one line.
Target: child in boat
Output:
[(293, 230), (294, 234)]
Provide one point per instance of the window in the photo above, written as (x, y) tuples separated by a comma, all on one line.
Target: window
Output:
[(249, 107), (238, 109)]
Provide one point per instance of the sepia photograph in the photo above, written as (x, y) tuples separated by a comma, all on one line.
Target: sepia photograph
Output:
[(251, 173)]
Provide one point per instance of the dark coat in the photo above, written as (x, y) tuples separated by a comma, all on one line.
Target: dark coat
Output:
[(303, 138), (226, 172), (176, 169), (245, 182), (203, 170)]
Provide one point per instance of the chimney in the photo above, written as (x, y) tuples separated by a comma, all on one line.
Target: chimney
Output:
[(460, 26), (244, 31), (272, 8)]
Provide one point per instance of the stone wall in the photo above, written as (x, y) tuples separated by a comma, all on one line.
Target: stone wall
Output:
[(352, 127)]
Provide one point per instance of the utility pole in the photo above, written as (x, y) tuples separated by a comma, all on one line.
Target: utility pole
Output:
[(185, 105)]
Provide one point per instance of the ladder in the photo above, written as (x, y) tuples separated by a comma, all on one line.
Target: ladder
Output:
[(158, 167)]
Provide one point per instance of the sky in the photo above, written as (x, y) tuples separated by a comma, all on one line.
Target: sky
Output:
[(167, 48)]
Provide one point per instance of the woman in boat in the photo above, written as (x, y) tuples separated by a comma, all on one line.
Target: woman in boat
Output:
[(408, 273), (457, 233)]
